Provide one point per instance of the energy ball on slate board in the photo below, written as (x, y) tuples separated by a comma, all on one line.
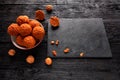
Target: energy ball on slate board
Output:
[(54, 21), (22, 19), (13, 29)]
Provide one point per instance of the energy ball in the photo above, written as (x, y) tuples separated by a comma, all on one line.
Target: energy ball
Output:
[(48, 61), (25, 29), (22, 19), (29, 42), (30, 59), (39, 15), (49, 8), (54, 21), (13, 29), (34, 23), (38, 32), (19, 40), (11, 52)]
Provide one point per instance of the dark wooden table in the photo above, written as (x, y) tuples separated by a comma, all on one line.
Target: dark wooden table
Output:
[(15, 68)]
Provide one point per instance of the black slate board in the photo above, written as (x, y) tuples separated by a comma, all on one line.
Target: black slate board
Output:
[(80, 35)]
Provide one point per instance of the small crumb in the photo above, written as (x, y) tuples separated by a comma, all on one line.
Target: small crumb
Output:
[(52, 42), (67, 50), (54, 53), (81, 54), (48, 61), (11, 52), (57, 42), (30, 59)]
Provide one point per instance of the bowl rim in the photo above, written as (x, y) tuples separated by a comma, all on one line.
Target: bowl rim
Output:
[(13, 39)]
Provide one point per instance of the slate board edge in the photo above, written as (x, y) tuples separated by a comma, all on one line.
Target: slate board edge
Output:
[(86, 57)]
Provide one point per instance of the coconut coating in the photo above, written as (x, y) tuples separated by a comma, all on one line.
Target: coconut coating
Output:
[(25, 29), (29, 42), (13, 29), (22, 19), (34, 23), (54, 21), (39, 15), (19, 40), (38, 32)]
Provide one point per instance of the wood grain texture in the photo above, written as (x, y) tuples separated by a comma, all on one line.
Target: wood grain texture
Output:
[(15, 68)]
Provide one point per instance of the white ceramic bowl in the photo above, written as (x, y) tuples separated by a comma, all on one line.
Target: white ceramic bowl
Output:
[(13, 39)]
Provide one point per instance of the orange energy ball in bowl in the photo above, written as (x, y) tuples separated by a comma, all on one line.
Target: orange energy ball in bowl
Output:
[(22, 19), (19, 40), (13, 29), (25, 29), (49, 7), (38, 32), (54, 21), (34, 23), (40, 15), (29, 42)]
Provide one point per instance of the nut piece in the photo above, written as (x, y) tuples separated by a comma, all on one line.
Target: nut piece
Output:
[(48, 61), (67, 50), (30, 59), (54, 53), (52, 42), (11, 52), (81, 54), (57, 42)]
